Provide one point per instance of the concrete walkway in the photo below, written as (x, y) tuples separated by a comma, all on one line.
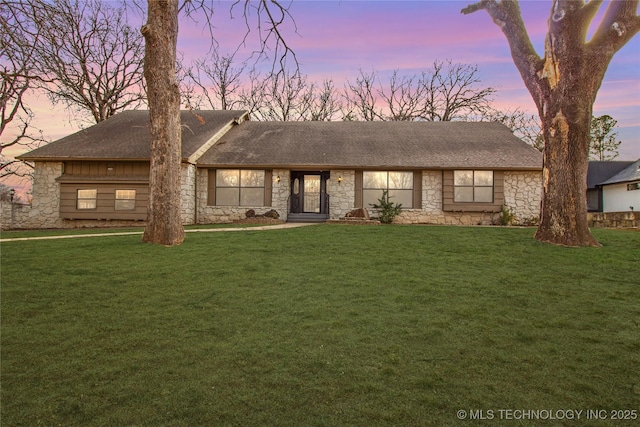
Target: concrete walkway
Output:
[(130, 233)]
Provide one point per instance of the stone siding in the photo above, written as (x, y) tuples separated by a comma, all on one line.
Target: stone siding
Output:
[(522, 195), (188, 193), (629, 219), (341, 194), (281, 192), (522, 190), (43, 212)]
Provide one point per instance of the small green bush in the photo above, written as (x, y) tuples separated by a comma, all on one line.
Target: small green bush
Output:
[(506, 216), (388, 210)]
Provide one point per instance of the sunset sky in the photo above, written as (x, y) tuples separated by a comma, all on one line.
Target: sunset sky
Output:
[(335, 39)]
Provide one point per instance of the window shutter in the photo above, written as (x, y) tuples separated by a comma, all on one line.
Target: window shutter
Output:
[(211, 187), (358, 190), (417, 189), (268, 184)]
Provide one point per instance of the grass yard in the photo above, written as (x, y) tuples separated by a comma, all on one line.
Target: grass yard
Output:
[(326, 325)]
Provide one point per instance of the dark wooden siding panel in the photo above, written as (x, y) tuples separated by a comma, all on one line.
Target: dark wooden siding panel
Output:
[(358, 189), (88, 168), (447, 190), (105, 202), (417, 189), (141, 168), (498, 189), (449, 205), (211, 187), (268, 184)]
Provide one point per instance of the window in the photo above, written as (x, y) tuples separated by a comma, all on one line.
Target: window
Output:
[(87, 199), (398, 184), (236, 187), (125, 200), (473, 186), (633, 186)]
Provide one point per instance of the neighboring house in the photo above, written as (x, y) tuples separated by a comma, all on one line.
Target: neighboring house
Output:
[(599, 171), (621, 192), (441, 172)]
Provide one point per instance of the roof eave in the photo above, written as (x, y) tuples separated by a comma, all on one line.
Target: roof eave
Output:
[(353, 166), (72, 159)]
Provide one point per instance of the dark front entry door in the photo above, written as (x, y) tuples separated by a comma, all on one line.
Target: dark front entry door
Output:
[(309, 192)]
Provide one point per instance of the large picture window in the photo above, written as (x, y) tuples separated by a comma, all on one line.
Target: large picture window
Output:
[(473, 186), (125, 200), (87, 199), (398, 184), (239, 187)]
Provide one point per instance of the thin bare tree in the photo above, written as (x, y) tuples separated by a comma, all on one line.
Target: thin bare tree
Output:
[(89, 58), (216, 81), (361, 98), (447, 91), (17, 79), (326, 103), (454, 91), (563, 83), (286, 97), (523, 125)]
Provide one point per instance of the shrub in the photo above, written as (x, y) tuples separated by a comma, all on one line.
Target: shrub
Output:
[(388, 211), (506, 216)]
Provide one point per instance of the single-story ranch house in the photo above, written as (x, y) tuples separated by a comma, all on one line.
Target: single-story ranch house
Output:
[(441, 172)]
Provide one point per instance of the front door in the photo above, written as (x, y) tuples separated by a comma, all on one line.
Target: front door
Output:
[(308, 192)]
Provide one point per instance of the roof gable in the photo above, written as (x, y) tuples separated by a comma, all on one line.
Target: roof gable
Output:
[(599, 171), (630, 173), (126, 136), (438, 145)]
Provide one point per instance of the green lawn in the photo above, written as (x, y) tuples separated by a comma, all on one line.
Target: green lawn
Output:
[(327, 325)]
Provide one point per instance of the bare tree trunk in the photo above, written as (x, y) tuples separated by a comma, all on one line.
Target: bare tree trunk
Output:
[(563, 214), (164, 218), (564, 84)]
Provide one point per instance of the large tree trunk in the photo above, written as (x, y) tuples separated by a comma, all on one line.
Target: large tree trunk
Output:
[(571, 77), (164, 218), (564, 85), (563, 214)]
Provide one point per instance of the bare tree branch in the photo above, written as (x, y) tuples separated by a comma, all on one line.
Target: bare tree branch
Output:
[(98, 69), (17, 78)]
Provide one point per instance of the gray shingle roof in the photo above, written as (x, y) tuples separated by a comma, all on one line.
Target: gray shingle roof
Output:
[(631, 173), (398, 145), (126, 136), (600, 171), (372, 144)]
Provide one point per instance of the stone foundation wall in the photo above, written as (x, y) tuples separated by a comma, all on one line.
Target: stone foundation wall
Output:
[(614, 219), (416, 216)]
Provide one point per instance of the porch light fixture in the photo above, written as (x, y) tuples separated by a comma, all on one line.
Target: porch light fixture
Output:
[(278, 179), (340, 179)]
